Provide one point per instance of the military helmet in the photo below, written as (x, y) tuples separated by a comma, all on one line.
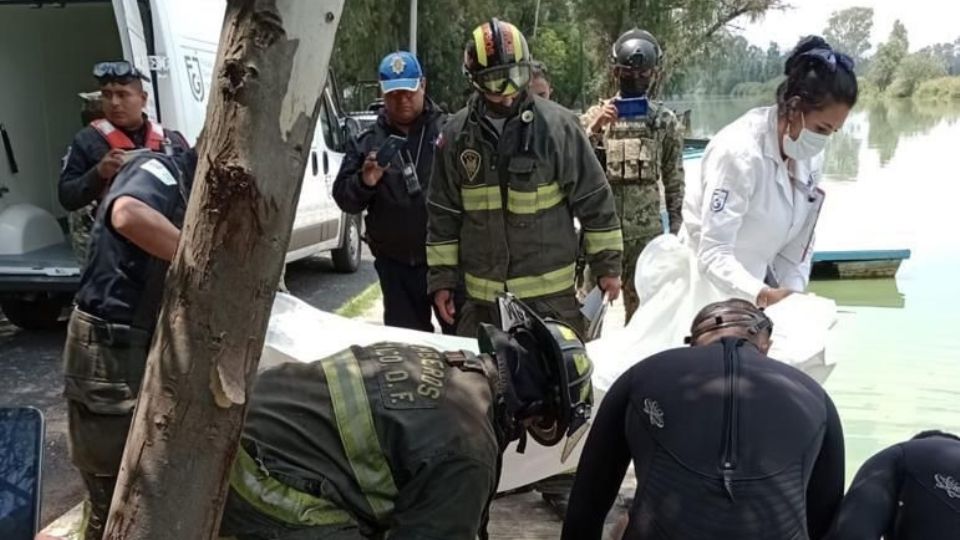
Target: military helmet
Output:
[(497, 59), (636, 49), (565, 367)]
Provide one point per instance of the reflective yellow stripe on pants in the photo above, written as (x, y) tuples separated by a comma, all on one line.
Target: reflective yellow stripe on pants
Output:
[(357, 432), (279, 500), (554, 282)]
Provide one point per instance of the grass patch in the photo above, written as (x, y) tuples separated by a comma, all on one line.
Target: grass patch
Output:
[(361, 303)]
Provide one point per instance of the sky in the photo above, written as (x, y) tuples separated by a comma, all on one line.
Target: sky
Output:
[(927, 21)]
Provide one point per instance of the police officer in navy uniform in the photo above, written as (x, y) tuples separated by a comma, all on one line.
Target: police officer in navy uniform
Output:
[(132, 242), (97, 150), (393, 196)]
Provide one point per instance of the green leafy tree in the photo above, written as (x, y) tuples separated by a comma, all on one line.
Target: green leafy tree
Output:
[(849, 30), (572, 37), (913, 70), (948, 53), (730, 66), (558, 47), (888, 57), (687, 29)]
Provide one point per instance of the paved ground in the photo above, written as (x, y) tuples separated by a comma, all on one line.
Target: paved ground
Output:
[(30, 370)]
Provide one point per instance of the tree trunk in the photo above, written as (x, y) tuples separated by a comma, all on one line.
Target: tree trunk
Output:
[(264, 103)]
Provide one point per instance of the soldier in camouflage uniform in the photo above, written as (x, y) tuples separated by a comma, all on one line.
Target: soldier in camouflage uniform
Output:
[(642, 150)]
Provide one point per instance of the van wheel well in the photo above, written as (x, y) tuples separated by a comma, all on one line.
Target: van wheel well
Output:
[(35, 312), (346, 258)]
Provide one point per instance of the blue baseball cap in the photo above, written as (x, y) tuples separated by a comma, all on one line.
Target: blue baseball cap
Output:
[(400, 71)]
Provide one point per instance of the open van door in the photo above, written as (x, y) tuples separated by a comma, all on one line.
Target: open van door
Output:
[(134, 44), (186, 35)]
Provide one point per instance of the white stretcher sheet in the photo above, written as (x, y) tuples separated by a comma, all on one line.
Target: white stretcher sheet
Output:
[(671, 291)]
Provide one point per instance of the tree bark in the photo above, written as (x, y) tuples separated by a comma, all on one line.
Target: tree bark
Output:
[(264, 103)]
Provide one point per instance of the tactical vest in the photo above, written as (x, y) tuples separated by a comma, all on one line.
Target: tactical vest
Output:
[(632, 152), (117, 139), (633, 158)]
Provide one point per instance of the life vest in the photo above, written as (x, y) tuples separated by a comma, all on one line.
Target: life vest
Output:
[(117, 139)]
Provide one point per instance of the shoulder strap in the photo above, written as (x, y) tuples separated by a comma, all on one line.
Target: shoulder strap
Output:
[(116, 138), (464, 361), (155, 136)]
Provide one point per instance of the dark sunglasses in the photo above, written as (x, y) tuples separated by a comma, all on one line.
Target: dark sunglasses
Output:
[(120, 70)]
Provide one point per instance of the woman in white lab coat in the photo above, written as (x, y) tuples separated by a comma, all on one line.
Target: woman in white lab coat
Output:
[(751, 221), (748, 222)]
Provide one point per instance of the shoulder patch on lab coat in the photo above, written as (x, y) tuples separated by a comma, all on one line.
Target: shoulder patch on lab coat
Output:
[(159, 172), (719, 199)]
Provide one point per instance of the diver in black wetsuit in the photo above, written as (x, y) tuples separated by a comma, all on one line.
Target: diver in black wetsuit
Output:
[(910, 491), (726, 443)]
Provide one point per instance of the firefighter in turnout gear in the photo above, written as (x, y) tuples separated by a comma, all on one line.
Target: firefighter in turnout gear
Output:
[(403, 441), (641, 143), (512, 172)]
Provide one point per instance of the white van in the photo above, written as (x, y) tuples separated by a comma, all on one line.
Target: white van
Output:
[(47, 52)]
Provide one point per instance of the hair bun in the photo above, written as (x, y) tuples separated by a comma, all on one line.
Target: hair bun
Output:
[(805, 44)]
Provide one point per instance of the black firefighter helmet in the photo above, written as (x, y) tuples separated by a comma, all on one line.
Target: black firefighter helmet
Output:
[(636, 50), (565, 408)]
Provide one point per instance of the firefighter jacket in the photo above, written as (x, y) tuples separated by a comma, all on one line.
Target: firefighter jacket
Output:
[(393, 438), (501, 205)]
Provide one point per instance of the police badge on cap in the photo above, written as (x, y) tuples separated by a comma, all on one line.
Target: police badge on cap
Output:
[(400, 71)]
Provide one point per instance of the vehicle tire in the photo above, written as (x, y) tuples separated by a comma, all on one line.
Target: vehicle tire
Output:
[(40, 312), (346, 258)]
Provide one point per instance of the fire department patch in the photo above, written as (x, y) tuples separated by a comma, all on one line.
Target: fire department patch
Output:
[(471, 163)]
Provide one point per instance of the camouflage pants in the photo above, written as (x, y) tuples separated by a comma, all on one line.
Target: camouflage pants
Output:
[(80, 223), (564, 308), (103, 367)]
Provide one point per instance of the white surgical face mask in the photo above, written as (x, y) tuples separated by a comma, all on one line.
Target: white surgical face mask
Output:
[(807, 145)]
